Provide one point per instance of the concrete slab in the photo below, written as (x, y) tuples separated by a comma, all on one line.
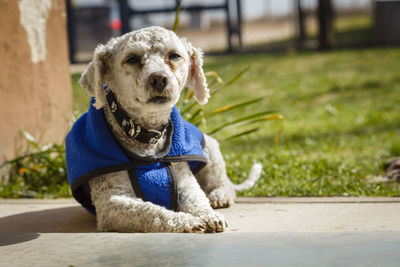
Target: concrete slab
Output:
[(248, 215), (262, 232)]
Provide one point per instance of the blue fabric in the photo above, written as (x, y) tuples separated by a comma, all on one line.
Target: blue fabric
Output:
[(155, 183), (90, 146), (91, 150)]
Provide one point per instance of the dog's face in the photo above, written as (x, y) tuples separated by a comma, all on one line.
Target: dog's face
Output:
[(147, 69)]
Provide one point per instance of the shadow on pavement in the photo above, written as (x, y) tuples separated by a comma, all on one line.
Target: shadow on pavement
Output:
[(60, 220), (7, 239), (27, 226)]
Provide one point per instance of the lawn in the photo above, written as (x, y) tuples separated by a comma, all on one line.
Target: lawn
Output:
[(341, 120)]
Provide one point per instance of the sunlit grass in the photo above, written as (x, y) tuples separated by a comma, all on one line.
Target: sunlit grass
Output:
[(342, 120)]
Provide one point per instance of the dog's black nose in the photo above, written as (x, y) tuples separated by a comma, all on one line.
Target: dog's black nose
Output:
[(158, 81)]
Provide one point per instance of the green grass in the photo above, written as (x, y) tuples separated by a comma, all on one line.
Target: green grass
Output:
[(342, 120), (354, 30), (80, 97)]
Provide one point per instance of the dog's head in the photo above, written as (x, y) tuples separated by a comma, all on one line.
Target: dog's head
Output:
[(147, 69)]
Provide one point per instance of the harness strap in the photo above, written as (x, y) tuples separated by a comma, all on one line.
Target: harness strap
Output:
[(174, 198), (174, 188), (135, 184)]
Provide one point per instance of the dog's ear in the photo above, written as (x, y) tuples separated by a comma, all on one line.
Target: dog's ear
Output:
[(196, 78), (92, 79)]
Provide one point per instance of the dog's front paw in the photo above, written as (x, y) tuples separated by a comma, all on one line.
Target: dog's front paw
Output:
[(191, 224), (222, 197), (197, 227), (215, 222)]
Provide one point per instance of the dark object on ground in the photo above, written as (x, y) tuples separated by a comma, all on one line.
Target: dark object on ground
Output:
[(392, 168)]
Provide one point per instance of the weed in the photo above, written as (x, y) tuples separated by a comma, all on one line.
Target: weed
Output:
[(39, 172)]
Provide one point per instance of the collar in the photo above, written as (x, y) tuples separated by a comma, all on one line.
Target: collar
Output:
[(129, 127)]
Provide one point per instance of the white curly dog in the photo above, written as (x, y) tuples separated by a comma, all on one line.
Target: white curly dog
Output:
[(145, 71)]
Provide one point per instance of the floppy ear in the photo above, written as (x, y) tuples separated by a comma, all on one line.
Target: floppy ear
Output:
[(92, 79), (196, 78)]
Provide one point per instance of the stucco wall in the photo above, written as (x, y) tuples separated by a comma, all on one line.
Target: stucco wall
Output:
[(35, 86)]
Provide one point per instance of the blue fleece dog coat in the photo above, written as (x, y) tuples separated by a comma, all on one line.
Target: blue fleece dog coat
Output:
[(91, 150)]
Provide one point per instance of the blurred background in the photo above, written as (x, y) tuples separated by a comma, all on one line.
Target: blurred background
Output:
[(239, 25)]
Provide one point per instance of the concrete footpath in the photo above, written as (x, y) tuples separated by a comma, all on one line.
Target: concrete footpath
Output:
[(263, 232)]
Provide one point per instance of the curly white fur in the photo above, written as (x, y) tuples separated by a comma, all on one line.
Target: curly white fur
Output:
[(117, 207)]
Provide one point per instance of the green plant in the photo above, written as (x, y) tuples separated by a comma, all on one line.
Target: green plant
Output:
[(39, 172), (238, 126)]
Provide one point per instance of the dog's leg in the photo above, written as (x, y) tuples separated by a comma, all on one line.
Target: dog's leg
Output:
[(213, 178), (193, 200), (118, 209)]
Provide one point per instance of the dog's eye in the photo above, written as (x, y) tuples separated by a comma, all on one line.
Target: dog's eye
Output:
[(134, 59), (173, 56)]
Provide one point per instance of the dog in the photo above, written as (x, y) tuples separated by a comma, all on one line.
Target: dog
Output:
[(131, 159)]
